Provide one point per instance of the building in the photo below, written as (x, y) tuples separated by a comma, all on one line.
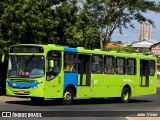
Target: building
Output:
[(113, 45), (145, 31), (146, 44), (151, 45), (155, 49)]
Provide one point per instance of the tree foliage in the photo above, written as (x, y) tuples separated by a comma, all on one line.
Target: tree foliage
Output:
[(128, 49), (75, 28), (33, 21), (113, 14), (72, 22), (27, 21)]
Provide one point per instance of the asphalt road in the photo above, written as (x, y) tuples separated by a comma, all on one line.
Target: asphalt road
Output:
[(90, 109)]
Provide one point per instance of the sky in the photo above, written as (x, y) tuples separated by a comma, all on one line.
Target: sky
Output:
[(132, 34)]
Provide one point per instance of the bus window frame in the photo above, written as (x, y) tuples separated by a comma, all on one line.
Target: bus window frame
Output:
[(71, 67), (113, 64), (135, 66), (124, 66), (47, 64), (25, 55), (152, 67), (101, 68)]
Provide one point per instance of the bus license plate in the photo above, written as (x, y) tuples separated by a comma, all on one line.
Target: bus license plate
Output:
[(21, 91)]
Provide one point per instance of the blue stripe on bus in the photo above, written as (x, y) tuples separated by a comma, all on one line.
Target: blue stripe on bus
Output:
[(74, 50), (70, 78), (22, 85)]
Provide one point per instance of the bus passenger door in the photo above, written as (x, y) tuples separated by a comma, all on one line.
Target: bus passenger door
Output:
[(144, 73), (84, 75)]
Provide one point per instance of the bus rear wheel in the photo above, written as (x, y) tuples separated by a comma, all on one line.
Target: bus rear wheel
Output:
[(68, 97), (125, 95)]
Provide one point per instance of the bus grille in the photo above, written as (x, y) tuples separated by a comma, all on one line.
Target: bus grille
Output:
[(23, 87), (25, 93)]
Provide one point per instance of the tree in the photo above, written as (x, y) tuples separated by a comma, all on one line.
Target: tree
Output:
[(33, 21), (128, 49), (112, 14), (76, 25), (87, 27), (28, 21)]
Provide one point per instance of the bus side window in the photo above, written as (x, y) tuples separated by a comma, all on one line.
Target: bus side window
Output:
[(68, 68), (52, 72), (109, 65), (70, 62), (152, 67), (97, 64), (120, 65), (131, 66)]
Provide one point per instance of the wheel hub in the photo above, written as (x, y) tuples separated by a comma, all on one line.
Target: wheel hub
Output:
[(67, 96), (125, 96)]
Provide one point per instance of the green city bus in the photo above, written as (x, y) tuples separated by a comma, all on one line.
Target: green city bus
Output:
[(52, 71)]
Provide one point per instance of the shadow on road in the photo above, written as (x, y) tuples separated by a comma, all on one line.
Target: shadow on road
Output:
[(75, 102)]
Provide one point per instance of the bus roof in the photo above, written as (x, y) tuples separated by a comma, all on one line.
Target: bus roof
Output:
[(82, 50), (114, 53)]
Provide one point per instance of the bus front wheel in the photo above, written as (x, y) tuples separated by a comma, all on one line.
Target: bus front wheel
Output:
[(68, 97), (125, 95)]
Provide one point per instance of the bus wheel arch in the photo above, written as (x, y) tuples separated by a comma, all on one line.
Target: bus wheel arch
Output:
[(126, 94), (68, 95)]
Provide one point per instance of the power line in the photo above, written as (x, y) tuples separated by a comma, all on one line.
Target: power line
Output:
[(137, 30)]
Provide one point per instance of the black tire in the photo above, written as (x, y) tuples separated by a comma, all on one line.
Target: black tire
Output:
[(125, 95), (68, 97), (36, 100)]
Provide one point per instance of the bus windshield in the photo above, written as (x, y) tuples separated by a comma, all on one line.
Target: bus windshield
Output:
[(26, 66)]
